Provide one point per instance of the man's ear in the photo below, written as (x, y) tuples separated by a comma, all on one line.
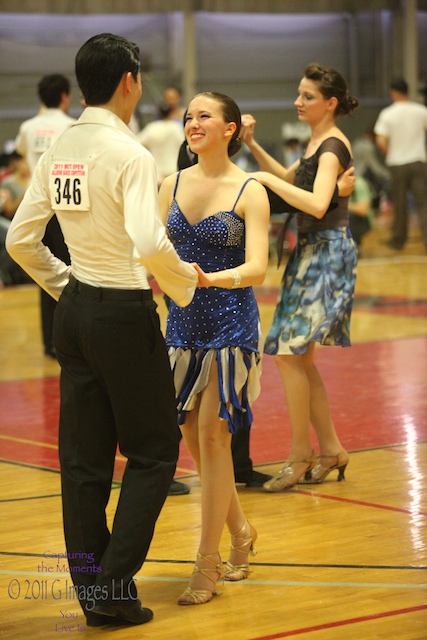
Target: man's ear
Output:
[(128, 82)]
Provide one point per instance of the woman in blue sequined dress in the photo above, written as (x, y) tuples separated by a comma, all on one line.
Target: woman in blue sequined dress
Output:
[(318, 284), (217, 218)]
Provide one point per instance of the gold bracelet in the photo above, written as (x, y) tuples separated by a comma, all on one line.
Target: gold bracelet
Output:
[(237, 278)]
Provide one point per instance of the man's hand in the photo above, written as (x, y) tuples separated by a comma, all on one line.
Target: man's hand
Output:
[(203, 278)]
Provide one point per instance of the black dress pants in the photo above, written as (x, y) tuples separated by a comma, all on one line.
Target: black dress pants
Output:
[(116, 389), (408, 179), (242, 462)]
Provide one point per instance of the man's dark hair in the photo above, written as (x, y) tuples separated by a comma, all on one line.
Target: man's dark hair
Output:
[(51, 88), (101, 63), (163, 111), (400, 85)]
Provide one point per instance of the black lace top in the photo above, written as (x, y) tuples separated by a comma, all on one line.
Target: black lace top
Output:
[(305, 176)]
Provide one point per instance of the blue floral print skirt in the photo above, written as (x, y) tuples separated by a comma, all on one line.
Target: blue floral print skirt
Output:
[(316, 296)]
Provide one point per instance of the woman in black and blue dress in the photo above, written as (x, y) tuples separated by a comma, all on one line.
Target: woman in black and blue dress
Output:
[(217, 219), (318, 284)]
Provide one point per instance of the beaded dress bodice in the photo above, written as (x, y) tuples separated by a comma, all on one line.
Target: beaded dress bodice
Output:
[(216, 317)]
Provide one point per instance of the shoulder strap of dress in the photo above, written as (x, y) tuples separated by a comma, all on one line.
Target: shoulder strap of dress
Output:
[(240, 192), (336, 146), (176, 183)]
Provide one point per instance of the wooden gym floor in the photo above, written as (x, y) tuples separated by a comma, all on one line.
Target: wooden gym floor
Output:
[(334, 560)]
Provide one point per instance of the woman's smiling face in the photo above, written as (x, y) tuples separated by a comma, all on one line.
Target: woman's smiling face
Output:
[(205, 125)]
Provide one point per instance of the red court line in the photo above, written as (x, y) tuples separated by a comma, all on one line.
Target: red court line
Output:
[(359, 502), (341, 623)]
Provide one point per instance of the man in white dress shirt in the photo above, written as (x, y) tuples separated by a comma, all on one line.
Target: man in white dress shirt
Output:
[(35, 136), (116, 381), (401, 136), (163, 139)]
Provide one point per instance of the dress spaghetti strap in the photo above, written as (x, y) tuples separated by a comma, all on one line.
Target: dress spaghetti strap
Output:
[(240, 192), (176, 183)]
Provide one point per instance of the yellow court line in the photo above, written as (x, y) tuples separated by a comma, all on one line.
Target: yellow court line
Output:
[(35, 443), (187, 471), (191, 472)]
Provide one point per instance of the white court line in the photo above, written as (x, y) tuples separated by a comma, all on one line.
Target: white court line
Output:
[(284, 583)]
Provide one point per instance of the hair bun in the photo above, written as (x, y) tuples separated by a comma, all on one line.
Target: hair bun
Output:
[(234, 146)]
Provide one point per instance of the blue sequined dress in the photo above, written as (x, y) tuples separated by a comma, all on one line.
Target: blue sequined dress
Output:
[(219, 324)]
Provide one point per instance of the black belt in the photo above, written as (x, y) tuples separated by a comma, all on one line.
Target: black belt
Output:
[(106, 293)]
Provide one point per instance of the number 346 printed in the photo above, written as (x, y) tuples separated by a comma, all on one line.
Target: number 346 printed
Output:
[(68, 190)]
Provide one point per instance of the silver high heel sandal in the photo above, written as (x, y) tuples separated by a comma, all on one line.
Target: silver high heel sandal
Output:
[(287, 476)]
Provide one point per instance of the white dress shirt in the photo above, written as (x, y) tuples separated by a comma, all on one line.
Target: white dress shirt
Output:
[(101, 183), (37, 134), (404, 124), (163, 139)]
